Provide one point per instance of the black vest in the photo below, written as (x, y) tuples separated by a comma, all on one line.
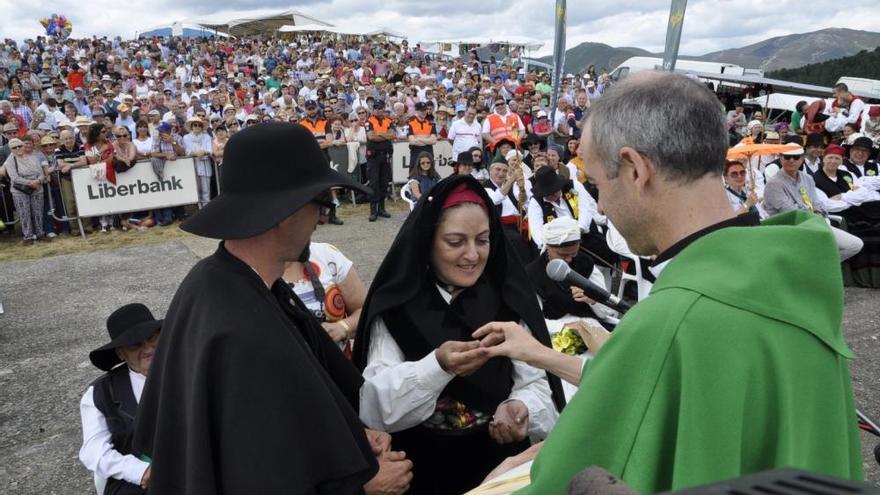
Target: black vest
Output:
[(114, 397), (870, 166), (549, 212)]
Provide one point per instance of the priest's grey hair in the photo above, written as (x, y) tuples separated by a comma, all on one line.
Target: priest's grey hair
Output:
[(673, 120)]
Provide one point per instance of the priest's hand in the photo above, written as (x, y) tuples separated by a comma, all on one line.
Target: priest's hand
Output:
[(461, 358), (509, 339), (517, 460), (379, 441), (511, 422), (394, 476)]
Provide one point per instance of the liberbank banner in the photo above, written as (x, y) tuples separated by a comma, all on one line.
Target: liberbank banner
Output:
[(136, 189)]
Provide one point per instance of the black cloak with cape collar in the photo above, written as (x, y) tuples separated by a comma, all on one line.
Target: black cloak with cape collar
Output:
[(405, 274), (247, 394)]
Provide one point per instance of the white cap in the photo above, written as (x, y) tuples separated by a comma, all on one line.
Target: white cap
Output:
[(560, 231), (541, 114), (442, 67)]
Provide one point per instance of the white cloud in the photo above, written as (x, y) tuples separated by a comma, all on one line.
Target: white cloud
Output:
[(709, 25)]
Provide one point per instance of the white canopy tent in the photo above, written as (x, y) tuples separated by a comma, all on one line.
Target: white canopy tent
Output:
[(453, 48), (264, 24), (343, 30), (779, 101)]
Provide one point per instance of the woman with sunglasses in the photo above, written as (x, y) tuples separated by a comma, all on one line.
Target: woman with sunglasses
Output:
[(27, 177), (126, 156), (735, 184), (197, 144)]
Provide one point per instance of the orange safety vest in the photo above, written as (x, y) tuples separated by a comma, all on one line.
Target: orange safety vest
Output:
[(319, 128), (421, 128), (506, 128), (380, 126)]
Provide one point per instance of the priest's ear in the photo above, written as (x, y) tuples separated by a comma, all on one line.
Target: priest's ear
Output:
[(636, 168)]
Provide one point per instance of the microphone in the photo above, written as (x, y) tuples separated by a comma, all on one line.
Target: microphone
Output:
[(559, 271)]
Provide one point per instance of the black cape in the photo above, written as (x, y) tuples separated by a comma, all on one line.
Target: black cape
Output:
[(246, 394)]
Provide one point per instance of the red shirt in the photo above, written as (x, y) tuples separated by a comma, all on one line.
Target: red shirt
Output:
[(75, 79)]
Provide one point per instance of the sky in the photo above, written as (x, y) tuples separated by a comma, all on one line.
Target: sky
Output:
[(708, 25)]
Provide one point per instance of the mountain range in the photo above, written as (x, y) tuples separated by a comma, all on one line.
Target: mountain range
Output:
[(794, 50)]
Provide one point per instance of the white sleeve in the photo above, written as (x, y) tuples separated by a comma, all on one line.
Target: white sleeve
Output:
[(343, 264), (585, 207), (531, 387), (97, 453), (856, 109), (398, 394), (536, 222), (495, 195), (830, 205), (485, 129)]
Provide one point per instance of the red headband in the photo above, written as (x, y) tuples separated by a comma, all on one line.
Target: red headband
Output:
[(834, 149), (463, 194)]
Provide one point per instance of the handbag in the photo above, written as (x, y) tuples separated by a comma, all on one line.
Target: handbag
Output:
[(120, 166), (18, 187)]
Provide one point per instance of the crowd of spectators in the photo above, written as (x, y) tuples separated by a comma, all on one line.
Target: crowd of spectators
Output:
[(171, 97)]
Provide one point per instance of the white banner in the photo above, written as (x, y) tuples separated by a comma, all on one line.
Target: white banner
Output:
[(136, 189), (400, 160)]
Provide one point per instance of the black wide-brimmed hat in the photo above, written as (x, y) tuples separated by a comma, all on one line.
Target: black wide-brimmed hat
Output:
[(270, 171), (863, 142), (547, 182), (128, 325), (815, 139)]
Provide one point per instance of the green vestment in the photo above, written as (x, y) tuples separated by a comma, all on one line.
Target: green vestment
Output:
[(736, 363)]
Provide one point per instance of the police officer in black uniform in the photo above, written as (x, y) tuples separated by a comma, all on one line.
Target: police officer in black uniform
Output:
[(380, 134)]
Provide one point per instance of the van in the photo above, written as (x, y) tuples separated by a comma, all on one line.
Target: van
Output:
[(639, 64)]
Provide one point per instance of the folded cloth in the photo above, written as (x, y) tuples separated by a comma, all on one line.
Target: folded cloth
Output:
[(158, 167)]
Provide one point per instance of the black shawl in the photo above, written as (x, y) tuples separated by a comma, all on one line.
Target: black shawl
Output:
[(405, 275), (246, 394)]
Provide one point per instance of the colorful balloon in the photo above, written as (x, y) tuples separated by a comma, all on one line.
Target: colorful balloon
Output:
[(57, 26)]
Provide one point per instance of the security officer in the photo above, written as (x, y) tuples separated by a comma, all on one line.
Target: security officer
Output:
[(380, 134), (318, 127), (421, 134)]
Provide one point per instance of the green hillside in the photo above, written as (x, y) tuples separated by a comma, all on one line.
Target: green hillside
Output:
[(863, 64)]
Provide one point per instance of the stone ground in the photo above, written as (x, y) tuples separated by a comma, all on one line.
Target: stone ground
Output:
[(55, 314)]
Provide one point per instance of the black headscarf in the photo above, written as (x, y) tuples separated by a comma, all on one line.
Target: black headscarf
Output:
[(406, 268)]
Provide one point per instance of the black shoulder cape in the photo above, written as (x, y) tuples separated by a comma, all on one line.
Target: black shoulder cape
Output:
[(246, 394), (405, 273)]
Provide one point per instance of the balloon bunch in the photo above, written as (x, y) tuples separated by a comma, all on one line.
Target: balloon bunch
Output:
[(57, 26)]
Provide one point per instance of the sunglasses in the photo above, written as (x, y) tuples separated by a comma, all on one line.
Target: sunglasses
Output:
[(741, 173), (121, 135), (499, 103), (790, 157), (15, 147), (325, 207)]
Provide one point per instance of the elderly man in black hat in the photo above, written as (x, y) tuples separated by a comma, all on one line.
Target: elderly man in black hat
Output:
[(249, 394), (109, 405), (859, 163)]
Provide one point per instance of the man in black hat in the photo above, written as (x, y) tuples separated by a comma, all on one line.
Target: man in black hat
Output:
[(858, 162), (421, 134), (380, 134), (109, 405), (249, 394), (554, 196)]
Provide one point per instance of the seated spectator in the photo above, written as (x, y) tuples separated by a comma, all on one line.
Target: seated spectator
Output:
[(562, 240), (109, 405), (792, 189), (860, 205), (422, 176), (741, 200), (329, 286)]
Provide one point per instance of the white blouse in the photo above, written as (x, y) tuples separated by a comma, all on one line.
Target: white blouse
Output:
[(398, 394)]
